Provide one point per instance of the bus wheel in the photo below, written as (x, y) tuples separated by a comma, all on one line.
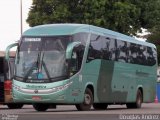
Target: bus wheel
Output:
[(14, 106), (139, 100), (100, 106), (88, 101), (40, 106)]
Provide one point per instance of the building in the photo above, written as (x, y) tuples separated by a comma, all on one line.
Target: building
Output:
[(12, 53)]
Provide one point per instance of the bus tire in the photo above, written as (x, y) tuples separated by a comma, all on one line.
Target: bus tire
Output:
[(100, 106), (40, 106), (14, 106), (88, 101), (139, 100)]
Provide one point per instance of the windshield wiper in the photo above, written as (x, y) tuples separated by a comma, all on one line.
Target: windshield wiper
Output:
[(29, 71), (35, 64), (45, 68)]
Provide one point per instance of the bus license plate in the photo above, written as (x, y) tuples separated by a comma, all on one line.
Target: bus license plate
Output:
[(36, 98)]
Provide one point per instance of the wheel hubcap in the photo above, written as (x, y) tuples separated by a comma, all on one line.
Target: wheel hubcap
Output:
[(87, 99), (139, 101)]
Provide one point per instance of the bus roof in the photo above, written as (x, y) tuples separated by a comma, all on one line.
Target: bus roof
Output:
[(69, 29)]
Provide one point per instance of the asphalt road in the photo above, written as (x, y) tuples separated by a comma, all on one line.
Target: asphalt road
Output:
[(150, 111)]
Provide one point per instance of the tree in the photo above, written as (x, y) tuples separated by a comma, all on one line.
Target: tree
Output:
[(125, 16), (117, 15)]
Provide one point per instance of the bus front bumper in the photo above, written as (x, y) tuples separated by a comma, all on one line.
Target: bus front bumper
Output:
[(50, 95)]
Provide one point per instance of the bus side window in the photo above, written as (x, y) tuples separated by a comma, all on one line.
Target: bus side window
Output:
[(151, 57), (80, 37), (95, 48), (121, 51), (154, 56), (74, 62), (112, 49), (109, 48), (79, 51), (76, 59), (132, 53), (141, 55), (102, 47), (105, 48)]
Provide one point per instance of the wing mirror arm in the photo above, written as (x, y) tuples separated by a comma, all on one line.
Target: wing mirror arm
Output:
[(8, 50), (70, 48)]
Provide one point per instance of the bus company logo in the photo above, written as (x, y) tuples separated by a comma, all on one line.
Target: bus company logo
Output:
[(35, 91), (36, 87)]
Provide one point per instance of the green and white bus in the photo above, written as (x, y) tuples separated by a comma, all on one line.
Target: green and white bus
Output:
[(83, 65)]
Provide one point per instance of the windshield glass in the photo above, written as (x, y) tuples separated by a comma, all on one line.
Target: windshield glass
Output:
[(43, 59)]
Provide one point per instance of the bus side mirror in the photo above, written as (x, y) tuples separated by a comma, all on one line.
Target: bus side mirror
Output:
[(7, 52), (72, 58), (70, 49)]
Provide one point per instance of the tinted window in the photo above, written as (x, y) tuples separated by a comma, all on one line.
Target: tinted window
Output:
[(141, 55), (103, 47), (80, 37), (106, 48), (122, 51), (95, 48), (151, 56), (112, 49), (132, 53)]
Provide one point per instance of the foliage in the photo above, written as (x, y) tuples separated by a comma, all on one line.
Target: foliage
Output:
[(125, 16)]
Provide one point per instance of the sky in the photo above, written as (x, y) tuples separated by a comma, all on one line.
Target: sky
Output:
[(10, 30)]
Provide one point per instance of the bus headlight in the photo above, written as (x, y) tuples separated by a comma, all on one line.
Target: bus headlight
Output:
[(60, 88)]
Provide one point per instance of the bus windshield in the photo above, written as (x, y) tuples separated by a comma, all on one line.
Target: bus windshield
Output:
[(42, 59)]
